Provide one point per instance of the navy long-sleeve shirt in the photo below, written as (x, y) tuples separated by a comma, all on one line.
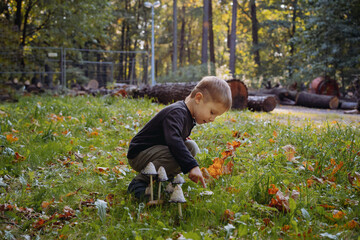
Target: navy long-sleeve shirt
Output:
[(170, 127)]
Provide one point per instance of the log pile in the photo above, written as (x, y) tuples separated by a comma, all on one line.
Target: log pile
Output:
[(259, 100)]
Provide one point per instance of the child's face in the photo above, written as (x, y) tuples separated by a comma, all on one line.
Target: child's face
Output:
[(205, 112)]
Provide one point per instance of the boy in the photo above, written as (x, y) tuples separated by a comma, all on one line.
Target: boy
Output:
[(162, 140)]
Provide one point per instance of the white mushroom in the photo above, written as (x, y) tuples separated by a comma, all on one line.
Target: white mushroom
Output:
[(169, 188), (178, 197), (162, 177), (178, 180), (150, 171)]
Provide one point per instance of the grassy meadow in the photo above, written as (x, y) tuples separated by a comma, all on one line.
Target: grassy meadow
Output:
[(64, 174)]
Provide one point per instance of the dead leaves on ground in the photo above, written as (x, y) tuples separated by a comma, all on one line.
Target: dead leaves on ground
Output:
[(219, 167)]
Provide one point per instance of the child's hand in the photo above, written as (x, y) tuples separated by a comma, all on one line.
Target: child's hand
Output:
[(195, 175)]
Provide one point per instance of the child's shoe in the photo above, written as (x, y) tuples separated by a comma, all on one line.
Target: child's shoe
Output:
[(137, 188)]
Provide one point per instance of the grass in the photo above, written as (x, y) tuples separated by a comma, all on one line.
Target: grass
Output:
[(62, 158)]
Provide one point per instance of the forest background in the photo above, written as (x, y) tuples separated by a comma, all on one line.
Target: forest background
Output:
[(260, 42)]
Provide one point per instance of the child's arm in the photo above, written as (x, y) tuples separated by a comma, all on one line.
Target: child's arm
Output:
[(195, 175)]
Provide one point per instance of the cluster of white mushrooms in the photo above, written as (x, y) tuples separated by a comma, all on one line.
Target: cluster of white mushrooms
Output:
[(177, 195)]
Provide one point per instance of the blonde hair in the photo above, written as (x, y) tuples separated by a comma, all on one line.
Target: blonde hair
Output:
[(214, 89)]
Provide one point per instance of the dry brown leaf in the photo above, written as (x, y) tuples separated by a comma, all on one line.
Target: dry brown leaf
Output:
[(289, 152)]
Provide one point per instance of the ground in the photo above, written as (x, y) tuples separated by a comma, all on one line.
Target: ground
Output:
[(317, 114)]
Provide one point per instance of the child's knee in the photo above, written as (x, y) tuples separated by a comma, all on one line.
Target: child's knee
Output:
[(193, 147)]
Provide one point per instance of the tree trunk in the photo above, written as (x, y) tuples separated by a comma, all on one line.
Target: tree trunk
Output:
[(292, 34), (233, 38), (188, 43), (205, 34), (174, 60), (317, 101), (25, 24), (261, 103), (211, 40), (182, 38), (255, 29), (18, 15), (122, 48)]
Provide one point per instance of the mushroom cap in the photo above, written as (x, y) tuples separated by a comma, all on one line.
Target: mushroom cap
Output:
[(178, 180), (177, 196), (162, 176), (169, 188), (149, 169)]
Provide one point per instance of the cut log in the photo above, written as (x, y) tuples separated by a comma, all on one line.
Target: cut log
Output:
[(316, 100), (167, 92), (239, 94), (346, 105), (171, 92), (325, 86), (280, 93), (261, 103)]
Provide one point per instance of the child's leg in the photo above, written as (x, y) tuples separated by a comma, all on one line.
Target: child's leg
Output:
[(192, 146), (159, 155)]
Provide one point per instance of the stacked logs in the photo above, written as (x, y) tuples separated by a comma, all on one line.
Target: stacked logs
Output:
[(260, 100), (171, 92)]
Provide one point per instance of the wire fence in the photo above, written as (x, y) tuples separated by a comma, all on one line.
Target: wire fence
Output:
[(66, 67)]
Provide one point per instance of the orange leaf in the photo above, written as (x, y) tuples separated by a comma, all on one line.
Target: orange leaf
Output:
[(95, 133), (338, 214), (327, 206), (271, 140), (351, 224), (232, 190), (275, 134), (285, 228), (19, 157), (337, 168), (45, 204), (309, 182), (228, 215), (332, 161), (273, 189), (10, 138)]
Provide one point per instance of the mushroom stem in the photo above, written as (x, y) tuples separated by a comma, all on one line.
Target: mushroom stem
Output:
[(180, 212), (159, 193), (151, 188)]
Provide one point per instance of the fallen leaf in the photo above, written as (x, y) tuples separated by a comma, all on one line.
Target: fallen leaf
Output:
[(289, 152)]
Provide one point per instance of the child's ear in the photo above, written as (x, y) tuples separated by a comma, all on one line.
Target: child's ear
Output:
[(198, 97)]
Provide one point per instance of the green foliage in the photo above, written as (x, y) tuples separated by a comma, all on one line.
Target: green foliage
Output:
[(298, 40)]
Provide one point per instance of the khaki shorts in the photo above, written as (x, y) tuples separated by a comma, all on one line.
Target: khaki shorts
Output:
[(160, 155)]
